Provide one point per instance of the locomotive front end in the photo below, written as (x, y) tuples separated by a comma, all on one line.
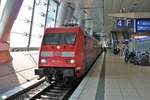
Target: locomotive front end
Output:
[(57, 57)]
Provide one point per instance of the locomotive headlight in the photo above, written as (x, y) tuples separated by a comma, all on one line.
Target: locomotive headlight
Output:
[(43, 61), (58, 47), (72, 61)]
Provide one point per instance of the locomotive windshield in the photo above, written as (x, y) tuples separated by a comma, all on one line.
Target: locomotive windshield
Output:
[(62, 38)]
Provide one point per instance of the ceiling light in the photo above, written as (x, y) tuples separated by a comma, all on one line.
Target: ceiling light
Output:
[(140, 37)]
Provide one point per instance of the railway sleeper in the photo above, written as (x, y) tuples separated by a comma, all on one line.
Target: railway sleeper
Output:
[(53, 94), (48, 97), (56, 91), (60, 88)]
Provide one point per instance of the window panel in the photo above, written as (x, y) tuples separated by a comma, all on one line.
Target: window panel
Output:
[(2, 5), (21, 27), (38, 23), (51, 14), (20, 30)]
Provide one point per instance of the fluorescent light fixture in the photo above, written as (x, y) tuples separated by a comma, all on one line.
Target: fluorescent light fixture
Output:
[(140, 37)]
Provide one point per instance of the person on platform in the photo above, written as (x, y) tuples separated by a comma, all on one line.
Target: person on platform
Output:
[(105, 50), (138, 57), (131, 57), (126, 54)]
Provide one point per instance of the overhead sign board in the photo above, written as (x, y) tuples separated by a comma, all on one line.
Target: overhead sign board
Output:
[(125, 23), (142, 25)]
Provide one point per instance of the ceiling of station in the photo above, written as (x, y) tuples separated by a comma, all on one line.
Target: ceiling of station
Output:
[(98, 10), (122, 6)]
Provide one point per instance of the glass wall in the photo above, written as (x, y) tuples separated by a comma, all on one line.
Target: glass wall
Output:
[(52, 10), (20, 33), (20, 30), (38, 22), (2, 5)]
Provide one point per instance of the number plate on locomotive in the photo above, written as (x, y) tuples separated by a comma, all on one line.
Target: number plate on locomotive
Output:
[(56, 53)]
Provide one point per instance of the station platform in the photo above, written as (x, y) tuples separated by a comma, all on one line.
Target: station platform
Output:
[(19, 71), (88, 87), (112, 79), (126, 81)]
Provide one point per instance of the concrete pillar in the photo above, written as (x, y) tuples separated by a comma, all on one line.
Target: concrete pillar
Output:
[(82, 23), (65, 13), (80, 15), (62, 13), (69, 16), (10, 13)]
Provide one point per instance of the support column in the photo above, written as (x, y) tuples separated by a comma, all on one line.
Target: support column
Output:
[(10, 13), (65, 13), (62, 13)]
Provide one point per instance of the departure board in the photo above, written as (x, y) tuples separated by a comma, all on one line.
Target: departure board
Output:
[(142, 25)]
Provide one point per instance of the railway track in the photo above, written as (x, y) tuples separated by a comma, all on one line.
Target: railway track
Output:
[(56, 91), (46, 91)]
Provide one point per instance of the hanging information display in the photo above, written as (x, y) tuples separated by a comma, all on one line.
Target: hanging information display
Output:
[(142, 25)]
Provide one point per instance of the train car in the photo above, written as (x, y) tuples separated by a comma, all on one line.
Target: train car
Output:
[(66, 52)]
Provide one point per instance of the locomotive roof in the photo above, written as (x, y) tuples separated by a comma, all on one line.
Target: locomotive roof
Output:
[(63, 29)]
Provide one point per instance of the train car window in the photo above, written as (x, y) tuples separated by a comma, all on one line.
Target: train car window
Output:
[(51, 39), (63, 38), (69, 38)]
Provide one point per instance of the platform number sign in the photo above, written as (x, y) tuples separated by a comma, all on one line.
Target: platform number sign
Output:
[(129, 23), (125, 23), (120, 23)]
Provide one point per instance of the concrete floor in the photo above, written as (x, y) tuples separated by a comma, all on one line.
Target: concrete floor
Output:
[(122, 81), (19, 71), (126, 81)]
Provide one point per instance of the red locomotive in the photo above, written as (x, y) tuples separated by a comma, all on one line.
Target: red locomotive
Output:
[(66, 52)]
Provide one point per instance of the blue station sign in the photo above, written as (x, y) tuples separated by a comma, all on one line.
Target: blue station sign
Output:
[(142, 25), (125, 23)]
